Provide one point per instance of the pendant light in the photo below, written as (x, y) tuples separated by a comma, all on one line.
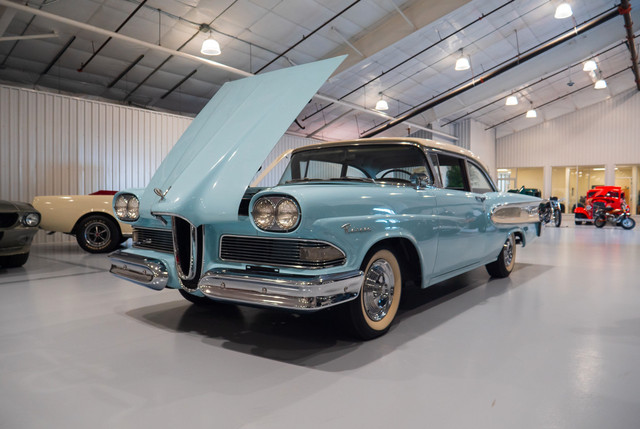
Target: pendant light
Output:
[(462, 63), (512, 100), (210, 46), (563, 11), (531, 113), (590, 65), (382, 104), (600, 83)]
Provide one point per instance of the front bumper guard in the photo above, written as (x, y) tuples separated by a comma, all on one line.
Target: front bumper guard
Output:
[(293, 293), (148, 272)]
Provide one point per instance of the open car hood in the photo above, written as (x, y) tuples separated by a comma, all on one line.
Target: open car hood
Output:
[(206, 173)]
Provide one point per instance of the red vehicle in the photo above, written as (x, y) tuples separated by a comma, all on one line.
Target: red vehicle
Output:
[(600, 197)]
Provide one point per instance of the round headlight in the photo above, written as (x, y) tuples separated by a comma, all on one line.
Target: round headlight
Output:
[(133, 208), (286, 214), (121, 207), (32, 219), (263, 213)]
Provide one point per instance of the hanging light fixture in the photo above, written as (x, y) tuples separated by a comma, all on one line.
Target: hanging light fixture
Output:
[(512, 100), (600, 83), (531, 113), (563, 11), (590, 65), (210, 46), (382, 104), (462, 63)]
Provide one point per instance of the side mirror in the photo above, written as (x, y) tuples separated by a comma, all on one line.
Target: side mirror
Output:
[(421, 180)]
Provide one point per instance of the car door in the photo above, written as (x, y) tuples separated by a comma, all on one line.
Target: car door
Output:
[(460, 215)]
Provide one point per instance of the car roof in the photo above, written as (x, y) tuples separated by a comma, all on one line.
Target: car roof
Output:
[(446, 147)]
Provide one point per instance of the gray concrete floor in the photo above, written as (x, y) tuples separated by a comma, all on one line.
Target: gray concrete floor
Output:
[(556, 345)]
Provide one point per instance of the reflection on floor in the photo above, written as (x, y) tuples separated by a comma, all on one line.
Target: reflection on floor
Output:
[(555, 345)]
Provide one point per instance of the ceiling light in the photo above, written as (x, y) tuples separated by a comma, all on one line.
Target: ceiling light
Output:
[(590, 66), (563, 11), (382, 104), (512, 100), (462, 63), (531, 113), (210, 46), (600, 83)]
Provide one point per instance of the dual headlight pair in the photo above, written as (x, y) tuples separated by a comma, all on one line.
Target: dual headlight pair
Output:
[(275, 213), (127, 207), (272, 213)]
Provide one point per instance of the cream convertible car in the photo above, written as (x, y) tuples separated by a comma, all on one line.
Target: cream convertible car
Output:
[(89, 217)]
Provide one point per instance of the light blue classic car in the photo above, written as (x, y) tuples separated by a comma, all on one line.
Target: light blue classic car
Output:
[(350, 223)]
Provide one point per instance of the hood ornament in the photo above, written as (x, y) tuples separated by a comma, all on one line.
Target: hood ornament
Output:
[(161, 194)]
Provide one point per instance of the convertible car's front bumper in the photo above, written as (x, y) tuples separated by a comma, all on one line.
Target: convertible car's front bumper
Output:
[(289, 292)]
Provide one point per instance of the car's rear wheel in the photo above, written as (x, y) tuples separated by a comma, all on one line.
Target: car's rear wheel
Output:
[(503, 266), (376, 307), (14, 261), (98, 234)]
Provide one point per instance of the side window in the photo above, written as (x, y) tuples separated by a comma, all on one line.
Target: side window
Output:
[(452, 172), (478, 180)]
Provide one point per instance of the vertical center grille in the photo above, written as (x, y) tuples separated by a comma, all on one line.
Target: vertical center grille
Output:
[(187, 249)]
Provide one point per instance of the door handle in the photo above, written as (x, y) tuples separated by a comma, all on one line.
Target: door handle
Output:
[(481, 199)]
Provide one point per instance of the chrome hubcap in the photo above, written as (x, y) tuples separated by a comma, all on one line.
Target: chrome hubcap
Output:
[(97, 234), (508, 252), (378, 289)]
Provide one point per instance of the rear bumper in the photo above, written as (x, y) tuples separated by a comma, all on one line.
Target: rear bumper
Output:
[(144, 271), (291, 292)]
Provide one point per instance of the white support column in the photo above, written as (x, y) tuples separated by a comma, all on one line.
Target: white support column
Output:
[(546, 180), (610, 175)]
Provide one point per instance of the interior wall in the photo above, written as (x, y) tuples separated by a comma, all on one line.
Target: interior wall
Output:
[(53, 144), (605, 133)]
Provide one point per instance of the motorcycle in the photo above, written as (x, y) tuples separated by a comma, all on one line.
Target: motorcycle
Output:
[(620, 217), (556, 211)]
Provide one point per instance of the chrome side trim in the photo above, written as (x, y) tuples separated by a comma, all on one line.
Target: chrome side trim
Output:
[(517, 213), (293, 293), (148, 272)]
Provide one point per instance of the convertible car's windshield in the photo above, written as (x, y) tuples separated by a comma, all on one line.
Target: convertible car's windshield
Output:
[(367, 163)]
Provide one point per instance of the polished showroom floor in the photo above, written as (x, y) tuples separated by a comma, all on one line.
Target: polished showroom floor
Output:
[(556, 345)]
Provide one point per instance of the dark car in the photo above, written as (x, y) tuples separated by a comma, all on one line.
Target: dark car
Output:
[(18, 224)]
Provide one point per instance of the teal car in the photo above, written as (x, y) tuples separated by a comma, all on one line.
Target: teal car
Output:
[(349, 224)]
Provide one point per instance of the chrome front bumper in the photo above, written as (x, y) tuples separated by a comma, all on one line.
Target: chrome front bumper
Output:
[(148, 272), (293, 293)]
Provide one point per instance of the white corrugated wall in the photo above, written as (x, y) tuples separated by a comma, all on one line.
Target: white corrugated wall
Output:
[(52, 144), (605, 133)]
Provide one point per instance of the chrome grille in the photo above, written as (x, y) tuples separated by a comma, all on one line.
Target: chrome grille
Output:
[(153, 239), (282, 252)]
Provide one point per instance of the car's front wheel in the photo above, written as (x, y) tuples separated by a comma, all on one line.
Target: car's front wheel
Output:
[(503, 266), (376, 307), (14, 261), (98, 234)]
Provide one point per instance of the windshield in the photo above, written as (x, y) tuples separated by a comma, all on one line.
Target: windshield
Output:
[(365, 163)]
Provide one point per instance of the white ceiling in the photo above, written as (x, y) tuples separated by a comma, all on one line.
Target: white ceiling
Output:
[(253, 32)]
